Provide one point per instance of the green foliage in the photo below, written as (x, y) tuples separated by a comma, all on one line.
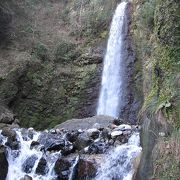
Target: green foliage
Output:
[(64, 52), (40, 51), (156, 34), (89, 18), (147, 15)]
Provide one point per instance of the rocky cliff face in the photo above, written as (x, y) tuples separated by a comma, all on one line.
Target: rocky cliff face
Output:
[(155, 31), (51, 58)]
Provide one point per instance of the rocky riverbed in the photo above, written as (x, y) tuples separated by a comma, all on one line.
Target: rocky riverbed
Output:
[(76, 149)]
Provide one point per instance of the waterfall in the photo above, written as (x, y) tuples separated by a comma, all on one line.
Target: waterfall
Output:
[(113, 72), (118, 162)]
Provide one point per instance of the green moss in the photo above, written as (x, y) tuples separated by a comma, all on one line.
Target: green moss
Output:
[(40, 51), (161, 58), (64, 52)]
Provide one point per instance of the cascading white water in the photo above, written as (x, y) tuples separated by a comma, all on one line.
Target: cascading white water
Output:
[(118, 162), (16, 158), (111, 85)]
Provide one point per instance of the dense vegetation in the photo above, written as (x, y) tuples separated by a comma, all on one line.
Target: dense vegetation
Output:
[(156, 37)]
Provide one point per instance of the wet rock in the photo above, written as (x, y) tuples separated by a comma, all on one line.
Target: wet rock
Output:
[(62, 168), (53, 131), (97, 148), (51, 142), (7, 118), (11, 126), (118, 122), (42, 167), (3, 163), (123, 139), (123, 127), (11, 138), (29, 164), (86, 169), (126, 132), (56, 142), (27, 177), (57, 145), (114, 134), (24, 133), (112, 126), (8, 132), (30, 133), (82, 141), (93, 133), (72, 137), (34, 144), (106, 134), (97, 126), (69, 148)]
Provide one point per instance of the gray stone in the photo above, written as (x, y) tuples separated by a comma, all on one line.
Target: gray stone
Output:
[(27, 177), (93, 133), (86, 123), (116, 133), (3, 163)]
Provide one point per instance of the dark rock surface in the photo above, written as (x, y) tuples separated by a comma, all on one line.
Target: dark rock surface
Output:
[(86, 169), (11, 138), (82, 141), (3, 163), (5, 20), (42, 167), (62, 168)]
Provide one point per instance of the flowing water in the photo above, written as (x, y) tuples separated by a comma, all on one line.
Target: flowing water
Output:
[(113, 71), (18, 158), (118, 162)]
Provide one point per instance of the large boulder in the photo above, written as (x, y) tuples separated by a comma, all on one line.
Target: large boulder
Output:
[(82, 141), (11, 138), (42, 167), (86, 169), (3, 163), (86, 123), (7, 116), (62, 168), (55, 142)]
